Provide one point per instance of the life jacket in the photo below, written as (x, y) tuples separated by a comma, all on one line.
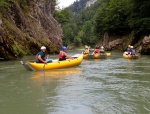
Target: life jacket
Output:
[(128, 50), (97, 51), (61, 56), (102, 51), (86, 51), (132, 51)]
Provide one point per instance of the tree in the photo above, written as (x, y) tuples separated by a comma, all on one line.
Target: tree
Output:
[(139, 17), (112, 18), (3, 6)]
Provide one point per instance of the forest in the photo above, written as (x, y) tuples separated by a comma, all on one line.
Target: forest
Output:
[(86, 25), (32, 23)]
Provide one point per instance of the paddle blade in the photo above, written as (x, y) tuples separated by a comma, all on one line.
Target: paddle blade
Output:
[(42, 70)]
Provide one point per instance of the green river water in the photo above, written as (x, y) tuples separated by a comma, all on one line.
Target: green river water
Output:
[(109, 86)]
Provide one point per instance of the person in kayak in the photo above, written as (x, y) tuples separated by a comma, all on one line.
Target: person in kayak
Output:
[(128, 49), (102, 51), (97, 50), (87, 50), (132, 51), (63, 55), (41, 56)]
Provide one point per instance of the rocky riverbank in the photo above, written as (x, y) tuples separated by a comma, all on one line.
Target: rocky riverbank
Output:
[(141, 45), (24, 28)]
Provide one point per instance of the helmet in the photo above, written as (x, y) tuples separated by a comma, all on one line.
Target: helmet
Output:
[(131, 46), (43, 47), (125, 52), (64, 47), (86, 46), (102, 47)]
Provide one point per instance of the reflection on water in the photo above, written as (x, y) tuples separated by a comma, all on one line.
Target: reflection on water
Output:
[(111, 86), (56, 74)]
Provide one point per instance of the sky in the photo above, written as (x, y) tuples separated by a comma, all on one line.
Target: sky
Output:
[(65, 3)]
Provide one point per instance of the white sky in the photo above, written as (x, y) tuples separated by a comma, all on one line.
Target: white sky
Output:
[(64, 3)]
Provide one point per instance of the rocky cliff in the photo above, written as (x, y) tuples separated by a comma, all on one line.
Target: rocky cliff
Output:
[(25, 27), (141, 45), (90, 2)]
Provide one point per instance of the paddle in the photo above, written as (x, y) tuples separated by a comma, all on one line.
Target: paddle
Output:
[(42, 70), (76, 56)]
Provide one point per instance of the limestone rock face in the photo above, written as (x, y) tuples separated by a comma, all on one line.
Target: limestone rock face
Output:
[(145, 45), (110, 44), (47, 6), (141, 46), (90, 2), (24, 29)]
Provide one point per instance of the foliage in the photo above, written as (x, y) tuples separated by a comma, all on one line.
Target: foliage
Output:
[(84, 21), (111, 17), (116, 17), (69, 27), (122, 17), (139, 16), (78, 6), (77, 23), (23, 4), (63, 16), (3, 6)]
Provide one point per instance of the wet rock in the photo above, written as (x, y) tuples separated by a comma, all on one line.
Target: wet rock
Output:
[(145, 47), (115, 43), (146, 40)]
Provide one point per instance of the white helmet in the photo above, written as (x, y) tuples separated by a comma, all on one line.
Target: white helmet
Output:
[(43, 47), (131, 46), (125, 52), (102, 47)]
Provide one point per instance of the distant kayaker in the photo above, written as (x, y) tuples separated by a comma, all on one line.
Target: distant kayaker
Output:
[(132, 51), (87, 50), (63, 55), (102, 51), (128, 49), (41, 56), (97, 50)]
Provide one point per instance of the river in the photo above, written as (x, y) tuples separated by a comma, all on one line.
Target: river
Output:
[(109, 86)]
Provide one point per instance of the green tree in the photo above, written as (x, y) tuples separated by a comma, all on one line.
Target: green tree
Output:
[(3, 6), (139, 16), (63, 16), (112, 18), (77, 41), (69, 27)]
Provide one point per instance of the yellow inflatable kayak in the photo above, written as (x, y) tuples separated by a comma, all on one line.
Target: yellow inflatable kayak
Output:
[(131, 56), (85, 56), (55, 64), (96, 56)]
